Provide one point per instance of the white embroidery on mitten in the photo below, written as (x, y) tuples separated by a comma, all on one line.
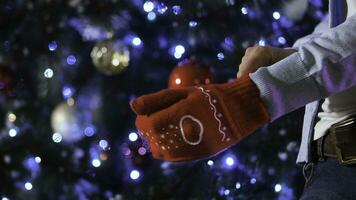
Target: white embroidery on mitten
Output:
[(183, 133), (205, 92)]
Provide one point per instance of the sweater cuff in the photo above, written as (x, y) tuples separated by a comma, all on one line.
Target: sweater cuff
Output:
[(244, 104), (285, 86)]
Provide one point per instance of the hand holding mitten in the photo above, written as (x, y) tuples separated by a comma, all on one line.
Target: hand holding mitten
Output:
[(198, 122)]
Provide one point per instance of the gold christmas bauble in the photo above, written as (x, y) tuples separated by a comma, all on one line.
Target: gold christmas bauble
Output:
[(110, 57)]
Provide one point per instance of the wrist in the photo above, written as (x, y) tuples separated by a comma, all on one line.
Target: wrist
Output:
[(244, 105)]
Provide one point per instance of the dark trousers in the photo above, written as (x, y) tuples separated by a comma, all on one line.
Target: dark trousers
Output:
[(328, 180)]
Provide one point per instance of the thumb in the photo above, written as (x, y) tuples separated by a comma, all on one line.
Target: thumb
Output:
[(148, 104)]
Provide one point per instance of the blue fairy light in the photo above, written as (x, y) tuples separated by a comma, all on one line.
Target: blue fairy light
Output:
[(227, 192), (96, 163), (179, 49), (193, 24), (210, 162), (48, 73), (244, 10), (133, 137), (253, 180), (12, 132), (177, 55), (228, 44), (134, 174), (262, 42), (238, 185), (71, 60), (151, 16), (148, 6), (282, 40), (220, 56), (28, 186), (136, 41), (89, 131), (103, 144), (38, 159), (162, 8), (57, 137), (176, 9), (276, 15), (229, 161), (67, 92), (52, 46), (277, 187)]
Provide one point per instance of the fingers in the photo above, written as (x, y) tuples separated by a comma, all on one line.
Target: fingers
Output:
[(254, 58), (148, 104)]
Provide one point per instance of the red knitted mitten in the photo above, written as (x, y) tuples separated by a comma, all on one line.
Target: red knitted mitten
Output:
[(198, 122)]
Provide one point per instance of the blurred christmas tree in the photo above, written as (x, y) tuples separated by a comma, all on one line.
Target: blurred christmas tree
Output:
[(68, 70)]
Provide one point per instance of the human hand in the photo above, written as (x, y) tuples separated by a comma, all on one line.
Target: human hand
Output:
[(198, 122), (259, 56)]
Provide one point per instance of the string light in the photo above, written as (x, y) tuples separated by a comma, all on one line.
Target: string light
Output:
[(162, 8), (151, 16), (179, 51), (244, 11), (96, 162), (38, 159), (277, 187), (136, 41), (229, 161), (220, 56), (178, 81), (67, 92), (89, 131), (133, 137), (48, 73), (103, 144), (57, 137), (238, 185), (52, 46), (134, 174), (142, 151), (71, 60), (193, 24), (276, 15), (210, 162), (253, 180), (12, 132), (282, 40), (11, 117), (176, 9), (262, 42), (148, 6), (28, 186), (177, 55)]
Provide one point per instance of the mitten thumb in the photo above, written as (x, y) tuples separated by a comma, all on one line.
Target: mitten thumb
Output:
[(148, 104)]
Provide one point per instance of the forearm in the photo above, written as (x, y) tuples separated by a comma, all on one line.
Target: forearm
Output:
[(321, 67)]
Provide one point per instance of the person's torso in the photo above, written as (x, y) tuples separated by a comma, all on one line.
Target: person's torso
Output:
[(339, 106)]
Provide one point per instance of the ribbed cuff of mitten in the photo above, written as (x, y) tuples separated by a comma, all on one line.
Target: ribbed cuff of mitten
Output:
[(245, 106)]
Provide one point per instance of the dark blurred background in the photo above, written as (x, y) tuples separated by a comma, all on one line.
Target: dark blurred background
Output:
[(68, 70)]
